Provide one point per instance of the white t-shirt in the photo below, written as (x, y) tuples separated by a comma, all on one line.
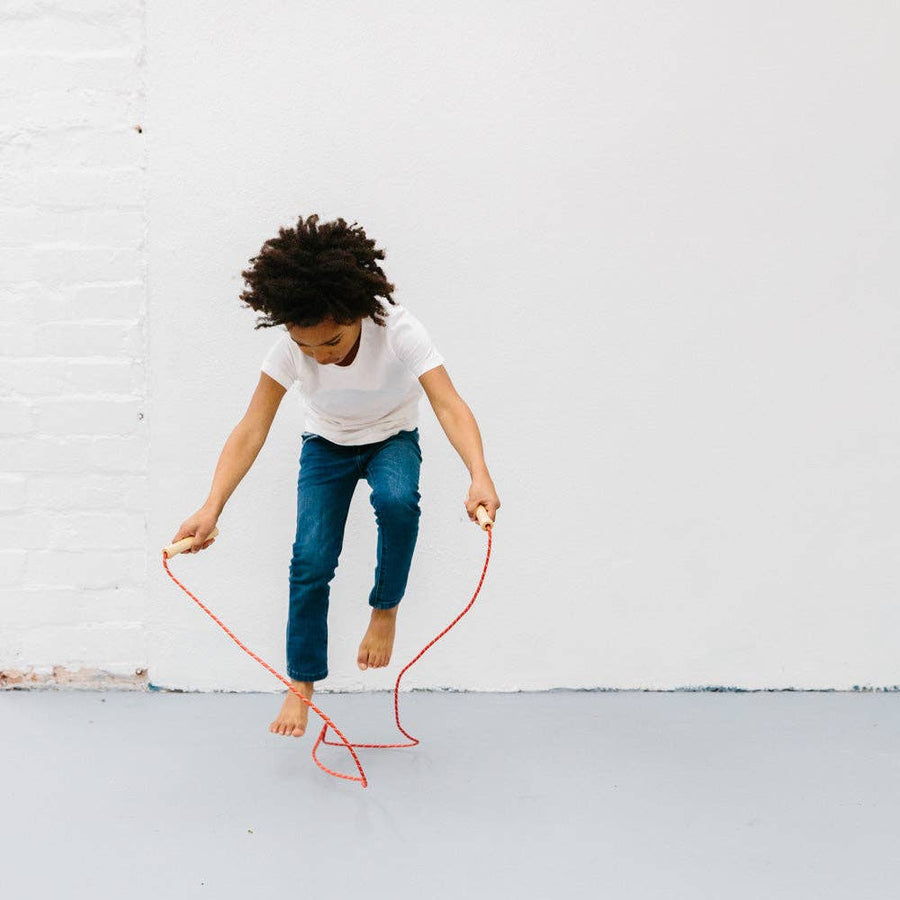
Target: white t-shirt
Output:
[(374, 397)]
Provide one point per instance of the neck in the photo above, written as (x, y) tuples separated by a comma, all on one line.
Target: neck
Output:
[(352, 354)]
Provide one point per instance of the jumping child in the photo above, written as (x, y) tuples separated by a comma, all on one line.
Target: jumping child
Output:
[(361, 366)]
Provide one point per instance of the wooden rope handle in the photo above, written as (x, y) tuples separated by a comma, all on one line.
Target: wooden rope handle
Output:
[(484, 520), (185, 544)]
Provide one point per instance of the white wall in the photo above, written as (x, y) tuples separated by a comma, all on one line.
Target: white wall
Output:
[(73, 355), (654, 244)]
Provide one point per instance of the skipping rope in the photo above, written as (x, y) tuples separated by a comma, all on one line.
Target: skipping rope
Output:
[(186, 543)]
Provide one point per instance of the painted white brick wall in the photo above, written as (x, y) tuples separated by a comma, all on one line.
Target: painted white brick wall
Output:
[(73, 345), (655, 251)]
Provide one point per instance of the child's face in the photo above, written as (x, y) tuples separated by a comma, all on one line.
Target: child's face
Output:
[(328, 343)]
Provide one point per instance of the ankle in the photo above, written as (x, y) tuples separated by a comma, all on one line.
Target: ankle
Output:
[(391, 613)]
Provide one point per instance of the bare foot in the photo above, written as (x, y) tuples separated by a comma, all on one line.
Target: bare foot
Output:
[(291, 720), (378, 642)]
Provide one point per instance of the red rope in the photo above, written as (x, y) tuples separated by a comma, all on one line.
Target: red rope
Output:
[(361, 778)]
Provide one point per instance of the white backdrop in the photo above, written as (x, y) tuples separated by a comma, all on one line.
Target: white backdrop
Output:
[(656, 244)]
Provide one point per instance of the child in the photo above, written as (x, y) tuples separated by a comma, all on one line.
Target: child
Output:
[(361, 366)]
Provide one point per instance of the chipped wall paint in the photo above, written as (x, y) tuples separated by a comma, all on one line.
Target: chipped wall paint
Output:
[(63, 677)]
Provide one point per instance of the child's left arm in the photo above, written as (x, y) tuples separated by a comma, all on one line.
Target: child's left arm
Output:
[(462, 431)]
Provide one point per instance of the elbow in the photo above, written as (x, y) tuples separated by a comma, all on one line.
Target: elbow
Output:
[(446, 409)]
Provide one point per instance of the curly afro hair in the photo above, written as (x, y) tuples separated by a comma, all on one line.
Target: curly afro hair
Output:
[(314, 272)]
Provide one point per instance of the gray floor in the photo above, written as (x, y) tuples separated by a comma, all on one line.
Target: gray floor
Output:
[(554, 795)]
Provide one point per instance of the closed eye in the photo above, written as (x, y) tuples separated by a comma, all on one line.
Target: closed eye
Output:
[(333, 343)]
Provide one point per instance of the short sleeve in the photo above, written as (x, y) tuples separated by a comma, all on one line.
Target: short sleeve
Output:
[(412, 343), (279, 362)]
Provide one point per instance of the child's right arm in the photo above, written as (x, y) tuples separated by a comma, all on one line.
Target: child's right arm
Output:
[(238, 454)]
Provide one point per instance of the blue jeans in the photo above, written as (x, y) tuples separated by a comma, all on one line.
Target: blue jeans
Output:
[(328, 476)]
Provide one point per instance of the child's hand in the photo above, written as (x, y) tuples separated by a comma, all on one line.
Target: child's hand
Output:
[(482, 493), (198, 526)]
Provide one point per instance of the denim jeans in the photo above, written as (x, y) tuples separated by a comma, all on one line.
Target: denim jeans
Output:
[(328, 476)]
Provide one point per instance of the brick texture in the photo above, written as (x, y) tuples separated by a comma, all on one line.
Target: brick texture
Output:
[(73, 379)]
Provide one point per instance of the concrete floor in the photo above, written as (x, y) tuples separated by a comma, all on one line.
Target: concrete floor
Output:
[(557, 795)]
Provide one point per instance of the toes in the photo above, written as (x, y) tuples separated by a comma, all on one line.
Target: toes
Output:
[(371, 659)]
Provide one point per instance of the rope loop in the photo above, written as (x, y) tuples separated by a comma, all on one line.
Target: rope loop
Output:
[(343, 742)]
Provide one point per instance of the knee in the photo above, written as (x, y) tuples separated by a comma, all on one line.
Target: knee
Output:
[(397, 503), (312, 563)]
